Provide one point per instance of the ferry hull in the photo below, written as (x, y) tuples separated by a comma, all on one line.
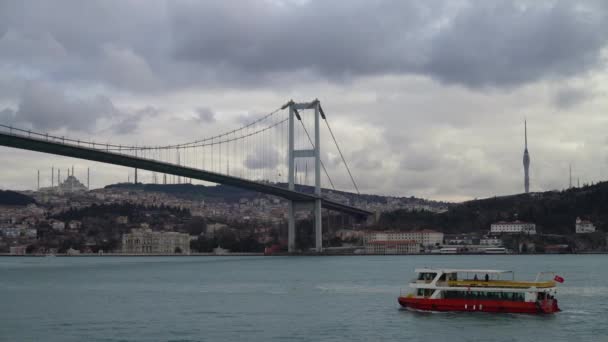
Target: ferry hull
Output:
[(466, 305)]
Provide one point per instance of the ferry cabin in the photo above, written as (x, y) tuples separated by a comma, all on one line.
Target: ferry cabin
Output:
[(479, 290)]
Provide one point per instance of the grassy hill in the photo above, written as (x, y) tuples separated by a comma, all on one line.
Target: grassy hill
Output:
[(14, 198), (554, 212), (191, 191), (229, 193)]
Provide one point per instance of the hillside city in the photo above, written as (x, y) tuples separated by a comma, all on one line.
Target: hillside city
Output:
[(131, 219)]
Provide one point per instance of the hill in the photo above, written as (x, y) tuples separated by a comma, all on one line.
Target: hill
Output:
[(230, 194), (554, 212), (191, 191), (14, 198)]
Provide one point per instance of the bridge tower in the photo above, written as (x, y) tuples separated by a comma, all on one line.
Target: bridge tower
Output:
[(315, 153)]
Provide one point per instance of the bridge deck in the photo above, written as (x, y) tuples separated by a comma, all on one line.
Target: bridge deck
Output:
[(71, 150)]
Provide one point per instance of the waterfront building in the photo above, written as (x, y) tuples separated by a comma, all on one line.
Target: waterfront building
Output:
[(72, 251), (392, 247), (490, 241), (17, 250), (425, 237), (220, 251), (461, 239), (400, 242), (146, 241), (584, 226), (514, 227)]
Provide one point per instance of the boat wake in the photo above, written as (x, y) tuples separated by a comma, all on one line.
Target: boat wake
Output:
[(356, 289), (592, 291)]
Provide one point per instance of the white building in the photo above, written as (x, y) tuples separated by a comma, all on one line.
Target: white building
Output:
[(584, 227), (400, 242), (490, 241), (392, 247), (146, 241), (58, 225), (425, 237), (515, 227), (17, 250)]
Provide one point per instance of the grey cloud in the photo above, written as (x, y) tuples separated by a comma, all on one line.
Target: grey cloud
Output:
[(263, 159), (39, 48), (130, 121), (420, 161), (123, 68), (7, 116), (569, 97), (212, 43), (205, 115), (44, 107), (498, 43), (507, 43)]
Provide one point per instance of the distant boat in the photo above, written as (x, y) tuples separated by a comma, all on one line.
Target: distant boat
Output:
[(495, 250), (455, 290)]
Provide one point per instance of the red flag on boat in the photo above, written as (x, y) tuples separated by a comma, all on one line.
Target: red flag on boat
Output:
[(558, 279)]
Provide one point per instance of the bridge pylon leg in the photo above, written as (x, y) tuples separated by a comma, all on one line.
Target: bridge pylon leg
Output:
[(291, 227), (318, 227)]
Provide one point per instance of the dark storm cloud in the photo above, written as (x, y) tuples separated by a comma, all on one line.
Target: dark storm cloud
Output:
[(486, 43), (165, 45), (44, 107), (505, 43)]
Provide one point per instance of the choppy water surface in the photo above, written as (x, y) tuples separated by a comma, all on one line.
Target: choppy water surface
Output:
[(278, 299)]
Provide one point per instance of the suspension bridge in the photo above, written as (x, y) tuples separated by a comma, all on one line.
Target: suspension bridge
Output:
[(281, 147)]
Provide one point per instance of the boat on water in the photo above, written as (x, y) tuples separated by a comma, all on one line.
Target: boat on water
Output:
[(480, 290)]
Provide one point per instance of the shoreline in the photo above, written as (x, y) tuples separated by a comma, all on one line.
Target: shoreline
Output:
[(88, 255)]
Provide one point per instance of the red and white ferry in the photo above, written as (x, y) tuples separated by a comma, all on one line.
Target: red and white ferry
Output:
[(480, 290)]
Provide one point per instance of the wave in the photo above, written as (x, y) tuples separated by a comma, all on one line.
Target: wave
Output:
[(357, 289), (584, 291)]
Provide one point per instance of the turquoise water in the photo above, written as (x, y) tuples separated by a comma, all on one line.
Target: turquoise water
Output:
[(278, 299)]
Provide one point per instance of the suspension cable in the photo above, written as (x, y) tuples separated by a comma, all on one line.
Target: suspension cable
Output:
[(322, 165), (342, 156)]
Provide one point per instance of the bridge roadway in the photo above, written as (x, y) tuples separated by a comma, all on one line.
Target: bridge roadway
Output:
[(75, 151)]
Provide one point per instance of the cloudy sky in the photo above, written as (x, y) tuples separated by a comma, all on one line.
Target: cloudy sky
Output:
[(428, 98)]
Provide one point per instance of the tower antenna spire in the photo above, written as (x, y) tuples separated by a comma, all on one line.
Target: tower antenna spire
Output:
[(526, 160), (526, 133)]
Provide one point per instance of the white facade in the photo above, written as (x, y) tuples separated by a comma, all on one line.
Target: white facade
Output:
[(515, 227), (146, 241), (58, 226), (424, 237), (584, 227), (490, 241), (392, 247)]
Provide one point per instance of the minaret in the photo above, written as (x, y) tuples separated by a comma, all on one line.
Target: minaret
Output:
[(526, 160)]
